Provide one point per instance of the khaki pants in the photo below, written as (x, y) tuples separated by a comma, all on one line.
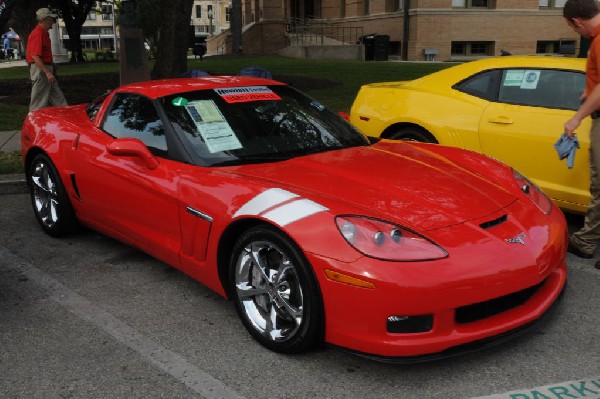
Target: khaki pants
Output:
[(43, 93), (586, 239)]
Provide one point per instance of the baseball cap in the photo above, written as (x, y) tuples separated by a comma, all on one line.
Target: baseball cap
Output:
[(43, 13)]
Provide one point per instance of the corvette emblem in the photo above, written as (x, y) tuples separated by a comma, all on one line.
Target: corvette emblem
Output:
[(520, 239)]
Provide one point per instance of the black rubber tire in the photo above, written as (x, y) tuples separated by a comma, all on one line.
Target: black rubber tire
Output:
[(412, 133), (49, 199), (286, 282)]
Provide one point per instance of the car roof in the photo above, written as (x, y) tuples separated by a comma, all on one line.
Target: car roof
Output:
[(534, 61), (466, 69), (164, 87), (450, 76)]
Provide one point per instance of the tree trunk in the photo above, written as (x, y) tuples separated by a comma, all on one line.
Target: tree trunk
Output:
[(75, 43), (171, 57), (74, 13)]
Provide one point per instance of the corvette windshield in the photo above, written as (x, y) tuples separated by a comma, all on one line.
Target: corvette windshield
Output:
[(238, 125)]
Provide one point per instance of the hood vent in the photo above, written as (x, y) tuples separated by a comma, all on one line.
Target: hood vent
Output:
[(494, 222)]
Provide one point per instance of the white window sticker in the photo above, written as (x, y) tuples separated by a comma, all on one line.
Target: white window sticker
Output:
[(514, 78), (212, 126), (531, 80)]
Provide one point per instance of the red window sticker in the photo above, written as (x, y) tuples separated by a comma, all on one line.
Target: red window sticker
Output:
[(247, 94)]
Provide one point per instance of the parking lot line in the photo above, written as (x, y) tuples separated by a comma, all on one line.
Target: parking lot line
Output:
[(168, 361)]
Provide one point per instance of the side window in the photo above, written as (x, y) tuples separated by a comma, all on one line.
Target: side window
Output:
[(547, 88), (132, 115), (483, 85), (93, 107)]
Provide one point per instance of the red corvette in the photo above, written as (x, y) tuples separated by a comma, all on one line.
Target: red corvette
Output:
[(396, 250)]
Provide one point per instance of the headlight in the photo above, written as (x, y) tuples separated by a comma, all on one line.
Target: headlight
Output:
[(383, 240), (536, 195)]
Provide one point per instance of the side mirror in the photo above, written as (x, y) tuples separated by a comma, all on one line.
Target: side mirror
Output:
[(131, 147)]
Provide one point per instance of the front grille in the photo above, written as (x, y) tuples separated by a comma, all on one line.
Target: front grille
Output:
[(483, 310)]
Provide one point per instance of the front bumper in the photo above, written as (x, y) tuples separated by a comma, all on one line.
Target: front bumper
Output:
[(486, 291)]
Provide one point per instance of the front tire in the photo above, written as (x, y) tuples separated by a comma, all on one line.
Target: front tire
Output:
[(50, 201), (275, 292)]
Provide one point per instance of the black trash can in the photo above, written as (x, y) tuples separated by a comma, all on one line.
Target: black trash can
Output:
[(199, 50), (381, 47), (369, 42)]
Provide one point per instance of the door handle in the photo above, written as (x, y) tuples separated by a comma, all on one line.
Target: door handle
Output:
[(502, 120)]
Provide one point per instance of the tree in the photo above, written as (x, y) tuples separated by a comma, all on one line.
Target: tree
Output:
[(5, 9), (74, 14), (172, 45), (149, 21)]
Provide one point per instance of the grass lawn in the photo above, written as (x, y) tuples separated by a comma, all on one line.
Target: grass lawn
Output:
[(347, 76), (10, 162), (342, 78)]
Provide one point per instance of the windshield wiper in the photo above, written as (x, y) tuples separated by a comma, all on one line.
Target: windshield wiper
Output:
[(251, 160)]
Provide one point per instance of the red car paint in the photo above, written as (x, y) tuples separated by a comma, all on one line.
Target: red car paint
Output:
[(445, 194)]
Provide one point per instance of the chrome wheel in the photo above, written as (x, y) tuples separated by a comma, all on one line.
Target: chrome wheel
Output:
[(45, 198), (50, 202), (275, 291), (269, 291)]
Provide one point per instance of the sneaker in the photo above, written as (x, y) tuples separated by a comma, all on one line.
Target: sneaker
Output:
[(577, 252)]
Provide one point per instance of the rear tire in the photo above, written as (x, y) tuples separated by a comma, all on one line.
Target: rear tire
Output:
[(275, 292), (50, 201), (412, 133)]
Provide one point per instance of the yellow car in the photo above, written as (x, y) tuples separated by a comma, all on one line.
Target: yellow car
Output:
[(511, 108)]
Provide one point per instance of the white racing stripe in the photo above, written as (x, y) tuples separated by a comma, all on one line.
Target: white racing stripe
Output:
[(588, 388), (265, 200), (280, 206), (293, 211), (168, 361)]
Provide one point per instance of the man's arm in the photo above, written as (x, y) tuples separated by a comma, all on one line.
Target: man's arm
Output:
[(591, 104)]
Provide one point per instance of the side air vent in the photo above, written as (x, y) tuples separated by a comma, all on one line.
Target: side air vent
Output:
[(495, 222), (74, 184)]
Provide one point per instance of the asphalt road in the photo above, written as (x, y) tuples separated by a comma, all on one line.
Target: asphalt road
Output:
[(88, 317)]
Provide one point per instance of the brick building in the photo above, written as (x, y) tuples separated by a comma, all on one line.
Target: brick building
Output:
[(421, 29), (444, 30)]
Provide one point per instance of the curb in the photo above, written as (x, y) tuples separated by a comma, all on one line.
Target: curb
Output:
[(13, 184)]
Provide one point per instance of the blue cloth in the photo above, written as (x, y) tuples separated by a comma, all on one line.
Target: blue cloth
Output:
[(256, 71), (196, 73), (566, 148)]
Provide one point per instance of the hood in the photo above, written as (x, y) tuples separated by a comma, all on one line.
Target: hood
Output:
[(413, 186)]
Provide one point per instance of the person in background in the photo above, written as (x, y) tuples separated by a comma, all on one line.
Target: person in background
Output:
[(45, 91), (6, 46), (583, 17)]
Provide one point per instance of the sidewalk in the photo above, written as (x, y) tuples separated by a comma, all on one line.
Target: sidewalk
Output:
[(11, 184), (12, 63), (9, 142)]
